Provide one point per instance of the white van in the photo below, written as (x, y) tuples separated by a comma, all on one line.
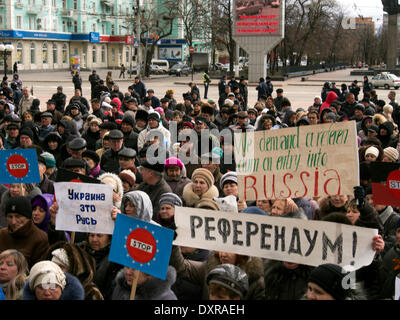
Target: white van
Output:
[(163, 64)]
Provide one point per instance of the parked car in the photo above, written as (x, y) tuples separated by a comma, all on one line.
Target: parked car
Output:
[(180, 69), (386, 80), (155, 69), (249, 8), (133, 70)]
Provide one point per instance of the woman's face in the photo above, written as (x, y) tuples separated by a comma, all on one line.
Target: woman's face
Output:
[(53, 145), (98, 241), (129, 209), (278, 208), (167, 211), (227, 257), (61, 130), (51, 292), (338, 201), (199, 186), (353, 214), (15, 190), (8, 269), (370, 157), (268, 124), (230, 189), (28, 117), (38, 214), (91, 163), (263, 205), (315, 292), (94, 127)]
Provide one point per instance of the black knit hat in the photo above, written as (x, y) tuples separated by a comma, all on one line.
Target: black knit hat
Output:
[(159, 167), (20, 205), (329, 277), (27, 132), (91, 155)]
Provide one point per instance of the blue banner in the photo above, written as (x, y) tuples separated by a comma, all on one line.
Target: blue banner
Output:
[(19, 166), (141, 246), (92, 36), (2, 296)]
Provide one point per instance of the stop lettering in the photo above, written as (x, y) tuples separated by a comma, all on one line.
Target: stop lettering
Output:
[(141, 245), (17, 166), (393, 183)]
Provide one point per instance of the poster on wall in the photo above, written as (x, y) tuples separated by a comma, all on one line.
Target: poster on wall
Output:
[(170, 53), (257, 18)]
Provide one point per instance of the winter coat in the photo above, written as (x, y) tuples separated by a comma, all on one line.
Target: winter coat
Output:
[(388, 140), (143, 135), (388, 218), (388, 273), (106, 271), (81, 265), (153, 289), (60, 100), (25, 104), (46, 185), (29, 240), (49, 200), (155, 191), (190, 198), (197, 271), (332, 96), (131, 140), (109, 161), (91, 139), (72, 291), (325, 208), (282, 283)]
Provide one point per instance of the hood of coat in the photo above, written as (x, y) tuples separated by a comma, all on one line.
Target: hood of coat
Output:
[(118, 182), (141, 202)]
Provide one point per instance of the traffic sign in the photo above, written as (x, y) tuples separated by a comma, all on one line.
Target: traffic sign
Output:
[(19, 166)]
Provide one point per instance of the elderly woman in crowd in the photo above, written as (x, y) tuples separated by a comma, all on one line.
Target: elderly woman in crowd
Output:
[(201, 187)]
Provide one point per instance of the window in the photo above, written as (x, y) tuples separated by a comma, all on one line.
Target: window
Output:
[(94, 27), (55, 58), (83, 26), (64, 53), (94, 54), (76, 4), (113, 54), (103, 28), (112, 29), (19, 52), (64, 23), (19, 22), (33, 49), (54, 4), (54, 26), (31, 23), (127, 54), (44, 53), (103, 53), (75, 26), (1, 20), (64, 4)]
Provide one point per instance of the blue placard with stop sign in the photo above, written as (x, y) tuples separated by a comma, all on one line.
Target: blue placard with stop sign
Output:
[(141, 245), (19, 166)]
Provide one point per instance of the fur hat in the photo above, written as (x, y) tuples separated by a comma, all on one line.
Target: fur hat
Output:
[(128, 176), (229, 176), (391, 153), (60, 257), (231, 277), (170, 162), (205, 174), (46, 273), (207, 203)]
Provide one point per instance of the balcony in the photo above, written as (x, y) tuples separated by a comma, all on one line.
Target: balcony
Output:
[(107, 2), (19, 4), (33, 9), (67, 13)]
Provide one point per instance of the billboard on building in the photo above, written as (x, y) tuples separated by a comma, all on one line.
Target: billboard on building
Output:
[(170, 53), (257, 18)]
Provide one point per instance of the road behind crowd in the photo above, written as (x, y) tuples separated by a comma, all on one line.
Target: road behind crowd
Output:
[(300, 93)]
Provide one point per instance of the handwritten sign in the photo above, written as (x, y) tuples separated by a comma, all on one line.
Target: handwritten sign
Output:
[(141, 246), (305, 161), (84, 208), (285, 239)]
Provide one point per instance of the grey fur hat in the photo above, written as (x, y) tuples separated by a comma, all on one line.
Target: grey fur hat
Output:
[(231, 277)]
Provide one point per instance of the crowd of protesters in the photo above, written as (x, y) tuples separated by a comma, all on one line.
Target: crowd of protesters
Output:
[(112, 135)]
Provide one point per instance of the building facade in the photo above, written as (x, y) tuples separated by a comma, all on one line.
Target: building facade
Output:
[(53, 34)]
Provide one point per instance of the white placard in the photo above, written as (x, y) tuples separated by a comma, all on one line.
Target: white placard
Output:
[(84, 207), (285, 239)]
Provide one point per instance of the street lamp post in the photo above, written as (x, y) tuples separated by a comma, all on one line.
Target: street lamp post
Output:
[(6, 50)]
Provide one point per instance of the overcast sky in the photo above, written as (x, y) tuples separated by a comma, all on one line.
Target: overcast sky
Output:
[(366, 8)]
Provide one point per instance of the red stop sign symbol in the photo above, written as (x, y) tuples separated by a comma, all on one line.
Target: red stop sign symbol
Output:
[(393, 183), (17, 166), (141, 245)]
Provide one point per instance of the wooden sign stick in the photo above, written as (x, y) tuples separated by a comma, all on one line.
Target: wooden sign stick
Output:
[(134, 284)]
